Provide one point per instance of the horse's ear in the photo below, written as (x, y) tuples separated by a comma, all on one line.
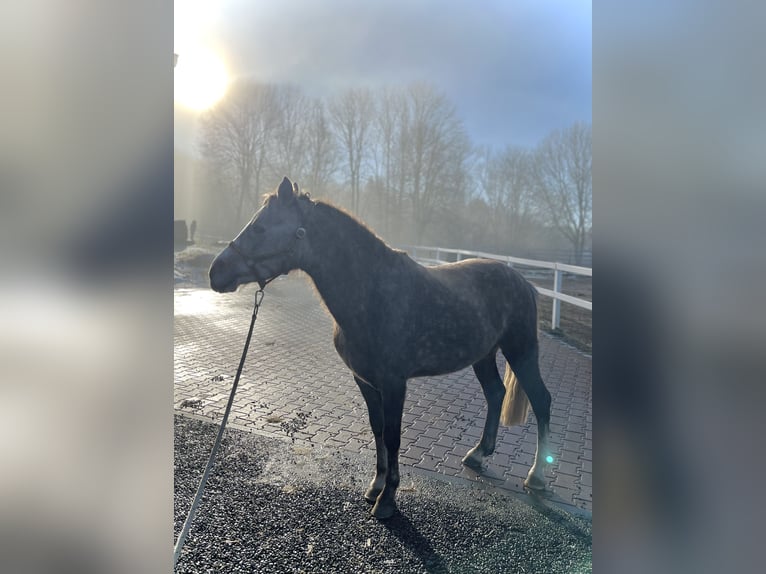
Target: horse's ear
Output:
[(295, 189), (285, 190)]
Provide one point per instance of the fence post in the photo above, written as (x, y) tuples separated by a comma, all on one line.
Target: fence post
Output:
[(556, 307)]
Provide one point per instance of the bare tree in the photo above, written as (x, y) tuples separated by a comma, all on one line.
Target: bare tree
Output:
[(562, 173), (407, 151), (386, 137), (438, 150), (288, 145), (352, 114), (235, 139), (490, 182), (321, 150), (505, 180), (516, 167), (402, 157)]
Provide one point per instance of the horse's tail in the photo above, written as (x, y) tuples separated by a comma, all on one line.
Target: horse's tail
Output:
[(516, 403)]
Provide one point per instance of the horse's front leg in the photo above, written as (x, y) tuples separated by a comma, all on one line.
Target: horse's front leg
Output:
[(375, 409), (392, 393)]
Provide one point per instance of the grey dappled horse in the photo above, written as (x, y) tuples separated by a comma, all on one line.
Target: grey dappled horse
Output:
[(395, 319)]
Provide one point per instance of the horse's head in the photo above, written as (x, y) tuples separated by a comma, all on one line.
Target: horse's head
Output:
[(268, 246)]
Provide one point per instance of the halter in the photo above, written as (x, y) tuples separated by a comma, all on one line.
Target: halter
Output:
[(299, 234)]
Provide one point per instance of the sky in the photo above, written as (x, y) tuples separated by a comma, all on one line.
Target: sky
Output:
[(515, 70)]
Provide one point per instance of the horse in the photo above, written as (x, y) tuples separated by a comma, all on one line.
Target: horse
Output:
[(395, 319)]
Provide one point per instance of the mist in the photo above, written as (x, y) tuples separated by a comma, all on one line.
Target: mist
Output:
[(85, 160)]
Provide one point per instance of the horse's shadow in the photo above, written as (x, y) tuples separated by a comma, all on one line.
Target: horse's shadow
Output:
[(401, 527)]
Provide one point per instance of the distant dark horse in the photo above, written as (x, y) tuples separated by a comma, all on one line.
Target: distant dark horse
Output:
[(395, 319)]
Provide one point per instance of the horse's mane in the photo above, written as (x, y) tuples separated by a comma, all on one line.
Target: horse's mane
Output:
[(353, 229)]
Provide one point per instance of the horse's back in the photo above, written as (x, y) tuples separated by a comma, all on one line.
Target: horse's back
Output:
[(488, 284), (460, 312)]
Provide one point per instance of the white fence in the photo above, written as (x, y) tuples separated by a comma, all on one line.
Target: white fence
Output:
[(436, 256)]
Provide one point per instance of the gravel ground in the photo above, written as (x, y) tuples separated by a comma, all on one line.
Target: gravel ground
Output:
[(283, 506)]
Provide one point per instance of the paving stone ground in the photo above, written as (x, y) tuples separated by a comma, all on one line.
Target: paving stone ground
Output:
[(295, 384)]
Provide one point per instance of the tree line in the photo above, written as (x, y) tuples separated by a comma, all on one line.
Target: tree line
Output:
[(402, 160)]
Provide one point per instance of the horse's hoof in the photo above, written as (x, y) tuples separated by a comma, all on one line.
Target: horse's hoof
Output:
[(371, 495), (383, 511), (534, 482), (474, 458)]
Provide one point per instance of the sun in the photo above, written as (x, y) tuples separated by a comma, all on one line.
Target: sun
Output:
[(200, 79)]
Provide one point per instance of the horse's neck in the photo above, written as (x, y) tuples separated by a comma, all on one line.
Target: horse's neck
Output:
[(344, 263)]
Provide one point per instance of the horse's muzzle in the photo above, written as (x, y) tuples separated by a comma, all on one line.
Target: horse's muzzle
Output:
[(220, 279)]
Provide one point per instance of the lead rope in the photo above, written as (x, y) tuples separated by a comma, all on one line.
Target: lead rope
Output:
[(201, 488)]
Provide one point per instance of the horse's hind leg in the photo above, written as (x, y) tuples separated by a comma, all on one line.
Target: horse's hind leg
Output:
[(527, 371), (375, 410), (492, 385)]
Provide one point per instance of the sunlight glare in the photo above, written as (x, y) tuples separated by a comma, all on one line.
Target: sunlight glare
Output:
[(195, 302), (200, 79)]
